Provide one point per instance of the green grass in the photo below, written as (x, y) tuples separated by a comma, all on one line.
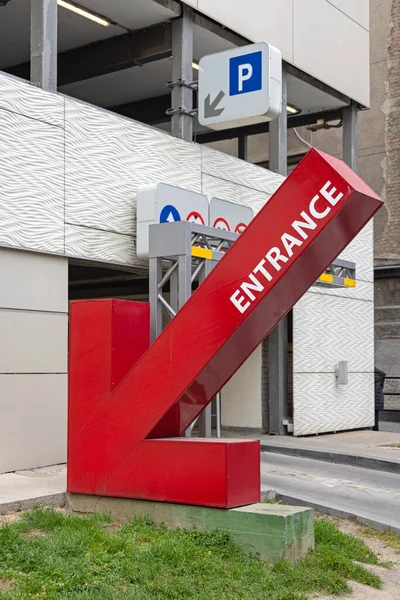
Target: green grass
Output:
[(388, 537), (276, 500), (51, 555)]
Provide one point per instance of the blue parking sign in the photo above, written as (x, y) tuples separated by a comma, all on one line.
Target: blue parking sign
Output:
[(245, 73)]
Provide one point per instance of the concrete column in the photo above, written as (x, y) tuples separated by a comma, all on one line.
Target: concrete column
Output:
[(350, 136), (44, 44), (33, 359), (243, 147)]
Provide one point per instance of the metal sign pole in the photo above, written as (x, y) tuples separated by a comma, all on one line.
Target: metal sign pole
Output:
[(44, 44), (182, 76), (218, 410), (278, 338)]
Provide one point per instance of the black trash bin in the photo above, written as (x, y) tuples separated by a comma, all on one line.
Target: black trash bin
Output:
[(379, 398)]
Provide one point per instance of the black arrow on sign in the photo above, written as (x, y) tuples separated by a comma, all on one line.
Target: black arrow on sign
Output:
[(210, 108)]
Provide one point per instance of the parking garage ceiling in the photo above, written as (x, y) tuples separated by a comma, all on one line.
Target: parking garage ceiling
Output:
[(128, 62)]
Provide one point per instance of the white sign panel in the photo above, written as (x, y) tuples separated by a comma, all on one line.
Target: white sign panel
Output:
[(229, 216), (162, 203), (240, 87)]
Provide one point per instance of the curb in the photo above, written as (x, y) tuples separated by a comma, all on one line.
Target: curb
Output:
[(351, 460), (267, 495), (52, 500), (337, 512)]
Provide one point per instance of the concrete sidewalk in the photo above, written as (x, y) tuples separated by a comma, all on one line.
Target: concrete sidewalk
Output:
[(24, 490), (365, 449)]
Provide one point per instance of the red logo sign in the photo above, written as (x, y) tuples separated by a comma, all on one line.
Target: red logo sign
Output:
[(240, 227), (195, 217), (221, 223)]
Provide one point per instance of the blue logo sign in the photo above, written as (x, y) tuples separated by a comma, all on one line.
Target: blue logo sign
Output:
[(245, 73), (169, 214)]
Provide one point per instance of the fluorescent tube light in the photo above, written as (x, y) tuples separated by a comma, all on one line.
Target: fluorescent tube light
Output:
[(292, 109), (84, 12)]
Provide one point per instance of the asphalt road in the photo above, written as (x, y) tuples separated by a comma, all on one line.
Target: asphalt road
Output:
[(371, 495)]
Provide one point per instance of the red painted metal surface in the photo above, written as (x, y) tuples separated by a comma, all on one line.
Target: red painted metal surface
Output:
[(205, 472), (257, 282), (107, 337)]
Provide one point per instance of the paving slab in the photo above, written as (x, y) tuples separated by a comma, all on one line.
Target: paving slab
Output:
[(24, 490)]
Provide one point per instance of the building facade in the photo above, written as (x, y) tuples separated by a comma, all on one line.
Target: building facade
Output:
[(75, 154)]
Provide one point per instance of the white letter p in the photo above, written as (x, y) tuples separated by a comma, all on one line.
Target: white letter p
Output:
[(245, 73)]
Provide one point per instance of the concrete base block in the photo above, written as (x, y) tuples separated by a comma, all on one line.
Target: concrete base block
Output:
[(272, 530)]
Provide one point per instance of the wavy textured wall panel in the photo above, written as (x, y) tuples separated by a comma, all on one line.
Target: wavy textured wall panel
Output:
[(96, 245), (360, 251), (329, 325), (243, 173), (329, 330), (227, 190), (321, 406), (31, 183), (19, 96), (108, 157)]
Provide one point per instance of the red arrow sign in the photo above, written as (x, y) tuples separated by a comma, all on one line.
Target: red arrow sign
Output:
[(314, 214)]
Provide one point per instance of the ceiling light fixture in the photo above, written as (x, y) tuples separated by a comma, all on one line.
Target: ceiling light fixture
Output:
[(292, 109), (84, 12), (196, 66)]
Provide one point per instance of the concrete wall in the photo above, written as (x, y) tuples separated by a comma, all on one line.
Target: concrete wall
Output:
[(386, 128), (328, 39), (375, 164), (387, 233), (33, 359), (379, 166), (241, 397), (387, 338)]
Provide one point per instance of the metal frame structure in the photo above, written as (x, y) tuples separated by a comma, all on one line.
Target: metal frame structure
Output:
[(341, 273), (182, 254)]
